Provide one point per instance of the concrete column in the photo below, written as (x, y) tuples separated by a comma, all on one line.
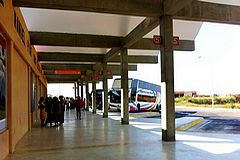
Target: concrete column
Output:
[(105, 90), (167, 78), (94, 94), (75, 89), (124, 87), (87, 97), (82, 89)]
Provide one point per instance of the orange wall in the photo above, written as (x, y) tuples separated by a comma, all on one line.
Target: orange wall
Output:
[(6, 16), (4, 144), (19, 64), (19, 98)]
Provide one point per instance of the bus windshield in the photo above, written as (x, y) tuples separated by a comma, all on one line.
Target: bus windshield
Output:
[(117, 84), (115, 96)]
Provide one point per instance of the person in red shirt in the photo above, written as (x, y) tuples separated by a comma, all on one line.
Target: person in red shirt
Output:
[(79, 106)]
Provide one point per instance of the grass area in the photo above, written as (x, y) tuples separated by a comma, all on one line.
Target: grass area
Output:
[(230, 102), (230, 106)]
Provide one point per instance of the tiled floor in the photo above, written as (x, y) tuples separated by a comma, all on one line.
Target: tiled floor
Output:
[(96, 138)]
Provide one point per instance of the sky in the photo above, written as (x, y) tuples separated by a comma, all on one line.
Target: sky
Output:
[(211, 69)]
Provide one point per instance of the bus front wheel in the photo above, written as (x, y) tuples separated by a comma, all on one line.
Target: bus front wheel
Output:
[(138, 107)]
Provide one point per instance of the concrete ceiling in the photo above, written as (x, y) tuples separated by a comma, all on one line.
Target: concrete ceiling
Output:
[(97, 24), (229, 2), (127, 21)]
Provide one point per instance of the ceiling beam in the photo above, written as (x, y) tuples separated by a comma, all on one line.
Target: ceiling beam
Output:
[(210, 12), (79, 57), (111, 53), (147, 44), (65, 39), (137, 59), (147, 25), (74, 40), (52, 72), (70, 80), (114, 72), (117, 67), (69, 57), (143, 8), (52, 66), (63, 77), (82, 67), (59, 81), (171, 7)]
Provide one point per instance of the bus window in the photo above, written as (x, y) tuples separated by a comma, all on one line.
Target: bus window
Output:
[(145, 98), (133, 95)]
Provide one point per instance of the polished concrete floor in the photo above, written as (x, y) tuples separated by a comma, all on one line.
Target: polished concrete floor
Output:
[(97, 138)]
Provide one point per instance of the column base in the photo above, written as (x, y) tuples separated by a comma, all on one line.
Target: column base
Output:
[(124, 121), (105, 115), (94, 112), (166, 136)]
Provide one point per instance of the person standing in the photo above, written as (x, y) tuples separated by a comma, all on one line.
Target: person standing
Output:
[(56, 110), (49, 110), (67, 104), (79, 106), (62, 108), (41, 106)]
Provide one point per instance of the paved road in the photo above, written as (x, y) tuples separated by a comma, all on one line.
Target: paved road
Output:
[(218, 126), (178, 114), (209, 112), (216, 120)]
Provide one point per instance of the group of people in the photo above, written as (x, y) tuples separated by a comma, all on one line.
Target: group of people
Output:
[(52, 109)]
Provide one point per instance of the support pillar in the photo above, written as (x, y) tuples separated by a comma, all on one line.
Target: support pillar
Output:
[(167, 79), (124, 87), (82, 89), (87, 97), (94, 94), (75, 89), (105, 90)]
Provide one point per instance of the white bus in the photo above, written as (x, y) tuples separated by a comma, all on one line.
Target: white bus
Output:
[(143, 95)]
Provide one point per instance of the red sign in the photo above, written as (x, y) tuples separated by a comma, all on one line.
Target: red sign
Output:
[(157, 40), (175, 40), (67, 72), (99, 75), (109, 73), (90, 77)]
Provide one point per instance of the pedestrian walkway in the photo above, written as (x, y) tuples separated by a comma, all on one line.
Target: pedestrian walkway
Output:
[(97, 138)]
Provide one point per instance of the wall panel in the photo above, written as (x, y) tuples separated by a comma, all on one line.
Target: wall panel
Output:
[(19, 95), (4, 142)]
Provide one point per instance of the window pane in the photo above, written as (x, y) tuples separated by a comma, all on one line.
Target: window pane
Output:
[(3, 54)]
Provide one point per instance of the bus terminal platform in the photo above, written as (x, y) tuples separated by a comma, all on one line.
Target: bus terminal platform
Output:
[(97, 138)]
